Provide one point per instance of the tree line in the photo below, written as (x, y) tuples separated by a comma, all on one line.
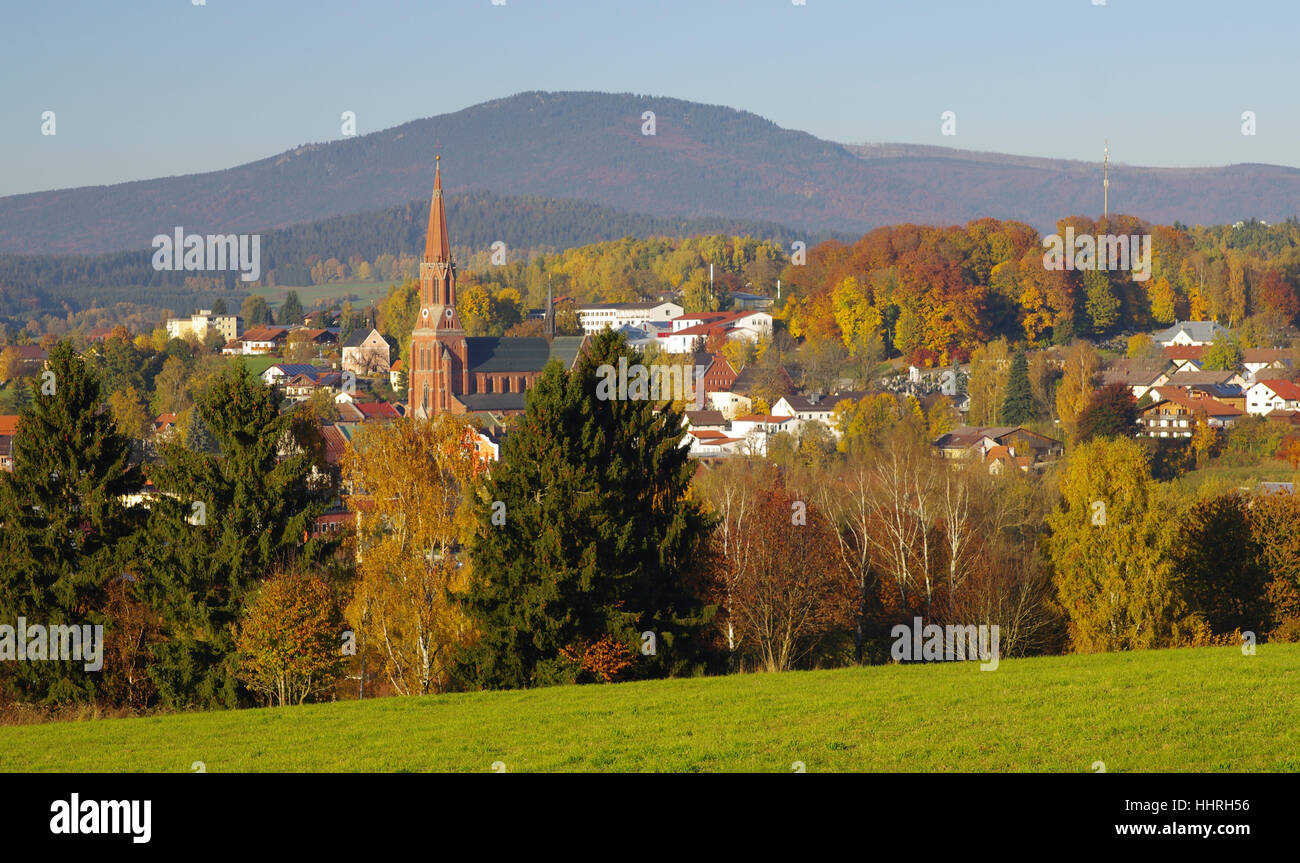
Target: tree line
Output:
[(595, 550)]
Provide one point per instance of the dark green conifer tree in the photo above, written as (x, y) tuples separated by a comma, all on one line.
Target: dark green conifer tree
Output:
[(66, 529), (291, 309), (594, 535), (226, 518), (1018, 405)]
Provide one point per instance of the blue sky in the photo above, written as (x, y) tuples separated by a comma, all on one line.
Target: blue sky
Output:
[(158, 87)]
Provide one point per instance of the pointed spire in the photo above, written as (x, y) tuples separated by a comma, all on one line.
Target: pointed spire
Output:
[(437, 248)]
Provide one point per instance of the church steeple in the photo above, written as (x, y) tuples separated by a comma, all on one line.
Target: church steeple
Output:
[(436, 247), (437, 269)]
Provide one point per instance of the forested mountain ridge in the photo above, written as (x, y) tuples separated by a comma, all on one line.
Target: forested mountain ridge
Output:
[(527, 225), (702, 160)]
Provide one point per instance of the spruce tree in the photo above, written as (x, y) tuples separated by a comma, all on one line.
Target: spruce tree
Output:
[(226, 519), (67, 531), (1018, 405), (291, 309), (586, 536)]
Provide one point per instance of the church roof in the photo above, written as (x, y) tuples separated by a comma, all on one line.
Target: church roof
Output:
[(499, 354), (566, 348), (530, 354), (492, 401)]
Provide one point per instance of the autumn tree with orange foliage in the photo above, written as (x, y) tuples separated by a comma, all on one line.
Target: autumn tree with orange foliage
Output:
[(791, 590), (290, 642)]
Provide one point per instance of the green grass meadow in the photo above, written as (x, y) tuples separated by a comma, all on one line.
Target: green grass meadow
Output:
[(1206, 709), (309, 295)]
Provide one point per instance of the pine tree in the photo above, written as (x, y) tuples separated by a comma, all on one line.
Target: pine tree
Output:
[(291, 309), (1018, 406), (197, 437), (66, 530), (226, 519), (585, 537)]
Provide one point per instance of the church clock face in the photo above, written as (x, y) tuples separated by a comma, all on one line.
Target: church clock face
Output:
[(425, 313)]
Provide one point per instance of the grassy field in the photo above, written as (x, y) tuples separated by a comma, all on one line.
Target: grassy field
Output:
[(1223, 478), (1209, 709), (308, 295)]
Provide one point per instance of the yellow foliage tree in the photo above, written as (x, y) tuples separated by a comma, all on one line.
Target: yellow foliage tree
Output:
[(1082, 365), (413, 482), (1110, 546), (129, 413)]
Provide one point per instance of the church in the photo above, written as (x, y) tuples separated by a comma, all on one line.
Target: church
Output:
[(454, 373)]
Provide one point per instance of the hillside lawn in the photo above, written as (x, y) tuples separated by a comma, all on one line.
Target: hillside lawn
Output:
[(1219, 477), (336, 293), (1205, 709)]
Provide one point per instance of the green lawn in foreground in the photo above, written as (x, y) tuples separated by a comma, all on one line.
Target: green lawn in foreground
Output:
[(1209, 709)]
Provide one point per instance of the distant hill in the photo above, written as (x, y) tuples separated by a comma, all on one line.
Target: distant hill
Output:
[(43, 283), (704, 160)]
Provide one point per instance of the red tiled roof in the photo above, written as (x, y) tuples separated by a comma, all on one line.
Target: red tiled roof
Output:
[(763, 418), (264, 334), (377, 410), (1212, 407), (8, 424), (335, 444), (1285, 389), (1184, 352)]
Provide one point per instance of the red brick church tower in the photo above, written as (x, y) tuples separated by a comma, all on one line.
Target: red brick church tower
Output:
[(438, 347), (452, 373)]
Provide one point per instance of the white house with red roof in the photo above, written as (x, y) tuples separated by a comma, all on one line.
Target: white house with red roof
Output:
[(690, 331), (1264, 397)]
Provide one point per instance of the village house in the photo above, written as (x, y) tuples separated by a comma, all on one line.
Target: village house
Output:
[(718, 374), (814, 408), (743, 301), (31, 359), (712, 443), (262, 340), (1224, 386), (1196, 333), (965, 442), (164, 426), (1138, 375), (277, 374), (301, 386), (366, 352), (1175, 415), (755, 429), (692, 331), (1186, 358), (1264, 397), (1225, 379), (1269, 363)]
